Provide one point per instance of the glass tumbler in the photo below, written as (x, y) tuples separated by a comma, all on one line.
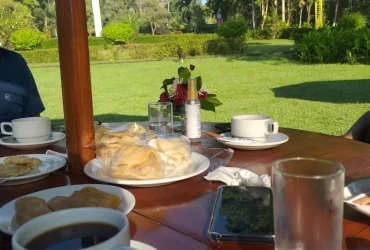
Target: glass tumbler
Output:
[(308, 204), (160, 115)]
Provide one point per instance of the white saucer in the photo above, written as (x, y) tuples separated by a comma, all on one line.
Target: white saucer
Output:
[(200, 163), (141, 246), (11, 142), (8, 224), (50, 163), (354, 189), (271, 142)]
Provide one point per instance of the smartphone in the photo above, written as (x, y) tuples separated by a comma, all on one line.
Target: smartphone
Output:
[(242, 214)]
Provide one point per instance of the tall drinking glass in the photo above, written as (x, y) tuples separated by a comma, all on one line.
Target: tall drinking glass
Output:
[(160, 115), (308, 204)]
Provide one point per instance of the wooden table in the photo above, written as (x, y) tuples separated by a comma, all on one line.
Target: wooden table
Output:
[(176, 216)]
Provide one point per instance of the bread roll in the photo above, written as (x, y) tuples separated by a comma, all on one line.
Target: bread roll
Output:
[(30, 207)]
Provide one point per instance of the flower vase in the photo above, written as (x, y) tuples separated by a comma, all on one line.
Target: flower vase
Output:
[(179, 119)]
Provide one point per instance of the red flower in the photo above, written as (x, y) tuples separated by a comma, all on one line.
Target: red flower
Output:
[(181, 88), (181, 94), (203, 95), (164, 97)]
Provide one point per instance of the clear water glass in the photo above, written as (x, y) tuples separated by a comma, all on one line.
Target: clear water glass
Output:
[(160, 115), (308, 204)]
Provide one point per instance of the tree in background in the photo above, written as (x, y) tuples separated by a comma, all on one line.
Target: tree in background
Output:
[(184, 7), (154, 14), (113, 11), (175, 22), (44, 14), (301, 5), (197, 18), (90, 17), (13, 16)]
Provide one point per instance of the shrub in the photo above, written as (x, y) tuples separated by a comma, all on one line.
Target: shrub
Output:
[(208, 28), (274, 26), (352, 21), (119, 33), (51, 43), (97, 41), (259, 34), (295, 33), (335, 46), (217, 46), (26, 39), (233, 28), (41, 56)]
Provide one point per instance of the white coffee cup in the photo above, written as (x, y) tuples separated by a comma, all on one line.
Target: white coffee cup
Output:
[(42, 224), (28, 130), (256, 127)]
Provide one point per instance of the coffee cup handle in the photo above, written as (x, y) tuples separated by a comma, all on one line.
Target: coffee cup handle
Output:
[(3, 131), (272, 127)]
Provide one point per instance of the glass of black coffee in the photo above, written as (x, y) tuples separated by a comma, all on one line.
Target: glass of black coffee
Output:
[(72, 229), (73, 237)]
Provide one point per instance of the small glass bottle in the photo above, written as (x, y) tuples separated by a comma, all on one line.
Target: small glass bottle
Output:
[(192, 113)]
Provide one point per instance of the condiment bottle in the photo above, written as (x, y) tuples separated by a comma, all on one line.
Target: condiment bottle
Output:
[(192, 113)]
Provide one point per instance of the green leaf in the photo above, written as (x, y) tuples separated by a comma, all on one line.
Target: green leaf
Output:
[(199, 82), (184, 74), (168, 81), (214, 101), (207, 105), (211, 95)]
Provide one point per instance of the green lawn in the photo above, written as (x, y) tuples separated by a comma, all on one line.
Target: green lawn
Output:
[(323, 98)]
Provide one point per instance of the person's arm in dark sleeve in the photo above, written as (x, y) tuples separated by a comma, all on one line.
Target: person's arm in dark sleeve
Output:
[(33, 105), (360, 129)]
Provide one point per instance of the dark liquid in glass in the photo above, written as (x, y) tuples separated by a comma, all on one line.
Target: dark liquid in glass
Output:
[(72, 237)]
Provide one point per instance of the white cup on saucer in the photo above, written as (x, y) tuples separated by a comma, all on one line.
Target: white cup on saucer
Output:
[(51, 221), (255, 127), (28, 130)]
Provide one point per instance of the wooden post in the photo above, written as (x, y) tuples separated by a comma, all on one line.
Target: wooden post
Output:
[(76, 83)]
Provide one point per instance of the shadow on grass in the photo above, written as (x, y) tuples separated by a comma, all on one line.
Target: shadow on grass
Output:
[(265, 48), (109, 118), (270, 59), (341, 91)]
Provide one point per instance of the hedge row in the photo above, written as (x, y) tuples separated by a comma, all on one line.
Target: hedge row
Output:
[(93, 41), (173, 38), (217, 46)]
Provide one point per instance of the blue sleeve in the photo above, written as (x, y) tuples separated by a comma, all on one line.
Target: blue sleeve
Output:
[(33, 104)]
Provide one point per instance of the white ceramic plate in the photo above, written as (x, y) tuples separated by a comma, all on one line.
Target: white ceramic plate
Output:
[(7, 212), (271, 142), (50, 163), (140, 245), (356, 188), (200, 163), (10, 142)]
